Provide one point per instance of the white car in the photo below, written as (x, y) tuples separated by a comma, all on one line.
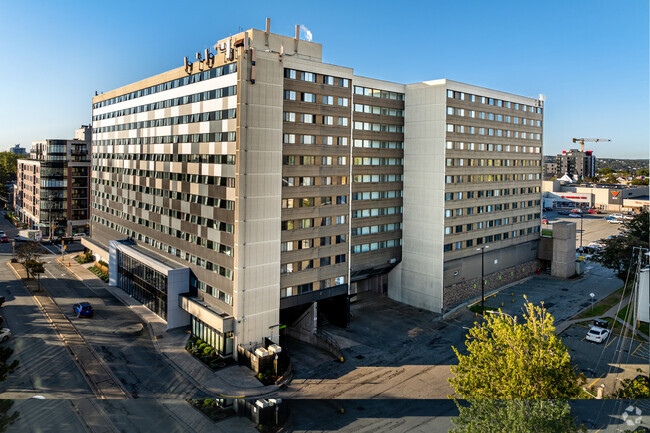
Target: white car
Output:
[(574, 215), (615, 221), (617, 215), (5, 333), (597, 335)]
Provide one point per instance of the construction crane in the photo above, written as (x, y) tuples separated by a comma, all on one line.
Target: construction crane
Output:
[(582, 141)]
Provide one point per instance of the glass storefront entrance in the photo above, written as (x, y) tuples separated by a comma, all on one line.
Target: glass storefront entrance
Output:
[(222, 343), (142, 282)]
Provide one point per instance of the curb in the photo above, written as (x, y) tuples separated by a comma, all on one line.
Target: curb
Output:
[(469, 302), (171, 361)]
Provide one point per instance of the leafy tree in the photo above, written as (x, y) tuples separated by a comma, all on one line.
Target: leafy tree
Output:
[(28, 251), (8, 166), (638, 388), (511, 360), (617, 252), (639, 181), (515, 416), (642, 172), (605, 170)]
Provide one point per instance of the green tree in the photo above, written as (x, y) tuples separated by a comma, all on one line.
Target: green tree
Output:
[(635, 389), (511, 360), (639, 181), (642, 172), (617, 252), (515, 416), (605, 171), (28, 251)]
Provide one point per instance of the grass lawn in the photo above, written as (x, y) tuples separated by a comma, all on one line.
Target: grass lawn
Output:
[(602, 306), (643, 327), (547, 232)]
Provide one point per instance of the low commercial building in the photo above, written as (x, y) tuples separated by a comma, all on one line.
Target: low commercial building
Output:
[(604, 197), (52, 188)]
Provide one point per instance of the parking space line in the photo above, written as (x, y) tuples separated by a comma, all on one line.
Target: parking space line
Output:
[(592, 384), (611, 341)]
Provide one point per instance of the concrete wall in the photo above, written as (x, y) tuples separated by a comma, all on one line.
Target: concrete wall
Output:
[(418, 279), (178, 281), (256, 300), (564, 247)]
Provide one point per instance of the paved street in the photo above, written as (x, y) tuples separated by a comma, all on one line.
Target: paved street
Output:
[(594, 226)]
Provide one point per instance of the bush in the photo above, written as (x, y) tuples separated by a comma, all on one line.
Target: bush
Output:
[(102, 275), (86, 257)]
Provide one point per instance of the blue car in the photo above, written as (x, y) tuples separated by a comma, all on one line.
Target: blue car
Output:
[(83, 309)]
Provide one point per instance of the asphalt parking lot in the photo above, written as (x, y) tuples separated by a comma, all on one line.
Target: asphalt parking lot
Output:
[(594, 226)]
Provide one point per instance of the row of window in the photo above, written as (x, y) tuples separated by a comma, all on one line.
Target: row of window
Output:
[(374, 109), (491, 238), (143, 189), (311, 77), (167, 175), (461, 145), (213, 291), (311, 181), (378, 127), (483, 115), (312, 243), (305, 223), (229, 113), (181, 216), (184, 255), (462, 96), (369, 230), (173, 102), (489, 224), (312, 118), (309, 287), (188, 237), (462, 129), (313, 139), (179, 82), (303, 265), (209, 137), (367, 91), (371, 178), (364, 213), (378, 161), (492, 177), (449, 213), (374, 246), (166, 157), (313, 160), (481, 162), (376, 144), (490, 193), (376, 195), (291, 95), (293, 203)]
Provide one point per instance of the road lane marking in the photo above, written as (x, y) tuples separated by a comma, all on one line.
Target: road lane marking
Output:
[(592, 384)]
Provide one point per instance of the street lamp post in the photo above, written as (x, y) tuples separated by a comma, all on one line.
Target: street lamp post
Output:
[(482, 249)]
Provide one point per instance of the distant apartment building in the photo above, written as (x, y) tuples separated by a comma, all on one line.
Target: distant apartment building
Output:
[(52, 188), (16, 149), (240, 191), (577, 164)]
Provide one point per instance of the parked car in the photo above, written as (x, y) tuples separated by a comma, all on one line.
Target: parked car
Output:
[(601, 323), (597, 334), (563, 212), (574, 215), (5, 333), (615, 221), (544, 221), (83, 309), (596, 211), (577, 211), (617, 215), (78, 235), (4, 239), (547, 209), (596, 245)]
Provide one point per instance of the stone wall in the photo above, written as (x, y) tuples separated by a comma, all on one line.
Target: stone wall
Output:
[(457, 293)]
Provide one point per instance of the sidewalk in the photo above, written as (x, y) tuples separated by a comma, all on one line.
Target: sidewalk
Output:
[(611, 313), (230, 382)]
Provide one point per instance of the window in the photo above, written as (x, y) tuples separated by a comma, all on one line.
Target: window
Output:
[(343, 102), (289, 117), (342, 141), (343, 121), (328, 80), (290, 95), (344, 82), (450, 110), (308, 76), (328, 120), (328, 100), (308, 97), (290, 73)]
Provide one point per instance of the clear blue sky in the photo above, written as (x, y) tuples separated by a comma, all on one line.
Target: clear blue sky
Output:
[(589, 57)]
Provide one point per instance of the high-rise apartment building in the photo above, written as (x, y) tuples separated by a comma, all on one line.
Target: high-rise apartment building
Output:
[(52, 188), (242, 189), (575, 163)]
